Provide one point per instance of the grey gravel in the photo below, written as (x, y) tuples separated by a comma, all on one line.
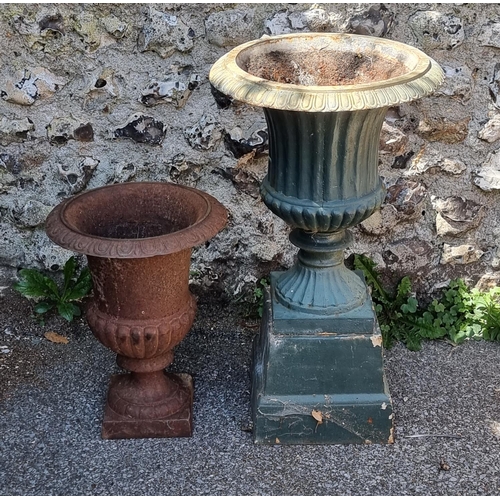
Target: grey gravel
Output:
[(53, 395)]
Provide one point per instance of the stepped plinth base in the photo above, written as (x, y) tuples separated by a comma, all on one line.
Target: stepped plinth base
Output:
[(145, 420), (315, 385)]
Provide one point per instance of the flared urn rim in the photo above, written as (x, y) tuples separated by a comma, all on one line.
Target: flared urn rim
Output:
[(421, 77), (206, 218)]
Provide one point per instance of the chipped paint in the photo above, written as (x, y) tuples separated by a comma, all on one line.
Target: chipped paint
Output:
[(376, 340), (384, 406)]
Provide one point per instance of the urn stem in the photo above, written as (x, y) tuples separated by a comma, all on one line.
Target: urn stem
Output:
[(319, 282)]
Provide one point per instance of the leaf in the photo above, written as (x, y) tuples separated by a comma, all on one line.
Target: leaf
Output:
[(35, 284), (404, 288), (81, 288), (65, 310), (69, 271), (43, 307), (56, 338), (410, 306), (368, 267), (318, 416)]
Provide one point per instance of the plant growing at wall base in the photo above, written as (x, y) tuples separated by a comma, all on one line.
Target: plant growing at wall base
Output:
[(459, 314), (258, 295), (34, 284)]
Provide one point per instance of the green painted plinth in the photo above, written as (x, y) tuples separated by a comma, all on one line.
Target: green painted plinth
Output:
[(319, 387)]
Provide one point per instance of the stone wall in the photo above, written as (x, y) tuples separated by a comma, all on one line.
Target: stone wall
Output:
[(100, 94)]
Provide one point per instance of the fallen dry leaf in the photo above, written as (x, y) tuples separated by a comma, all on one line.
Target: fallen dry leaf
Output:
[(56, 338), (443, 465), (277, 441), (318, 416)]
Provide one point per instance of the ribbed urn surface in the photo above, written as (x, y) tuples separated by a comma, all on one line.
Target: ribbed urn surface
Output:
[(325, 96), (138, 239)]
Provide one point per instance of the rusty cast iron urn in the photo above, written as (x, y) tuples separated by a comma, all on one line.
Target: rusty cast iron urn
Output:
[(317, 371), (138, 239)]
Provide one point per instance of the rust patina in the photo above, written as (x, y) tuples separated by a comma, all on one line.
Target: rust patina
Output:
[(138, 239)]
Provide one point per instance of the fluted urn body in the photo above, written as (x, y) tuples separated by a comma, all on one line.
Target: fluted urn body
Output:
[(325, 96), (138, 239)]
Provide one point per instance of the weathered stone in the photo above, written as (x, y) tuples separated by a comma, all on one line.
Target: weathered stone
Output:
[(381, 221), (444, 130), (376, 21), (488, 281), (488, 177), (39, 28), (491, 131), (490, 35), (84, 133), (87, 26), (52, 22), (463, 254), (409, 255), (49, 255), (14, 130), (21, 89), (314, 19), (401, 161), (114, 26), (176, 90), (392, 140), (495, 261), (457, 83), (143, 129), (430, 160), (28, 85), (164, 34), (78, 176), (434, 30), (230, 27), (222, 100), (248, 173), (279, 24), (104, 83), (204, 135), (60, 130), (31, 214), (407, 197), (124, 172), (183, 171), (10, 163), (456, 215), (254, 140), (102, 90), (494, 85)]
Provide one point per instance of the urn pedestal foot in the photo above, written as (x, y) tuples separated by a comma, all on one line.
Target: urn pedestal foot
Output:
[(166, 412), (319, 387)]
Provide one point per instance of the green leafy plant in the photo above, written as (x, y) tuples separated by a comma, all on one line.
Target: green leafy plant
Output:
[(258, 295), (459, 314), (34, 284)]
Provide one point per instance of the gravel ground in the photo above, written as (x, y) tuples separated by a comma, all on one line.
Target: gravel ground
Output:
[(52, 397)]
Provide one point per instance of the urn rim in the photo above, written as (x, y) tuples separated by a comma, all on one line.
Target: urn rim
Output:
[(210, 216), (422, 77)]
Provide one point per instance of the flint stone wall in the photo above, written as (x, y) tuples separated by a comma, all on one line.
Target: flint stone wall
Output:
[(100, 94)]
